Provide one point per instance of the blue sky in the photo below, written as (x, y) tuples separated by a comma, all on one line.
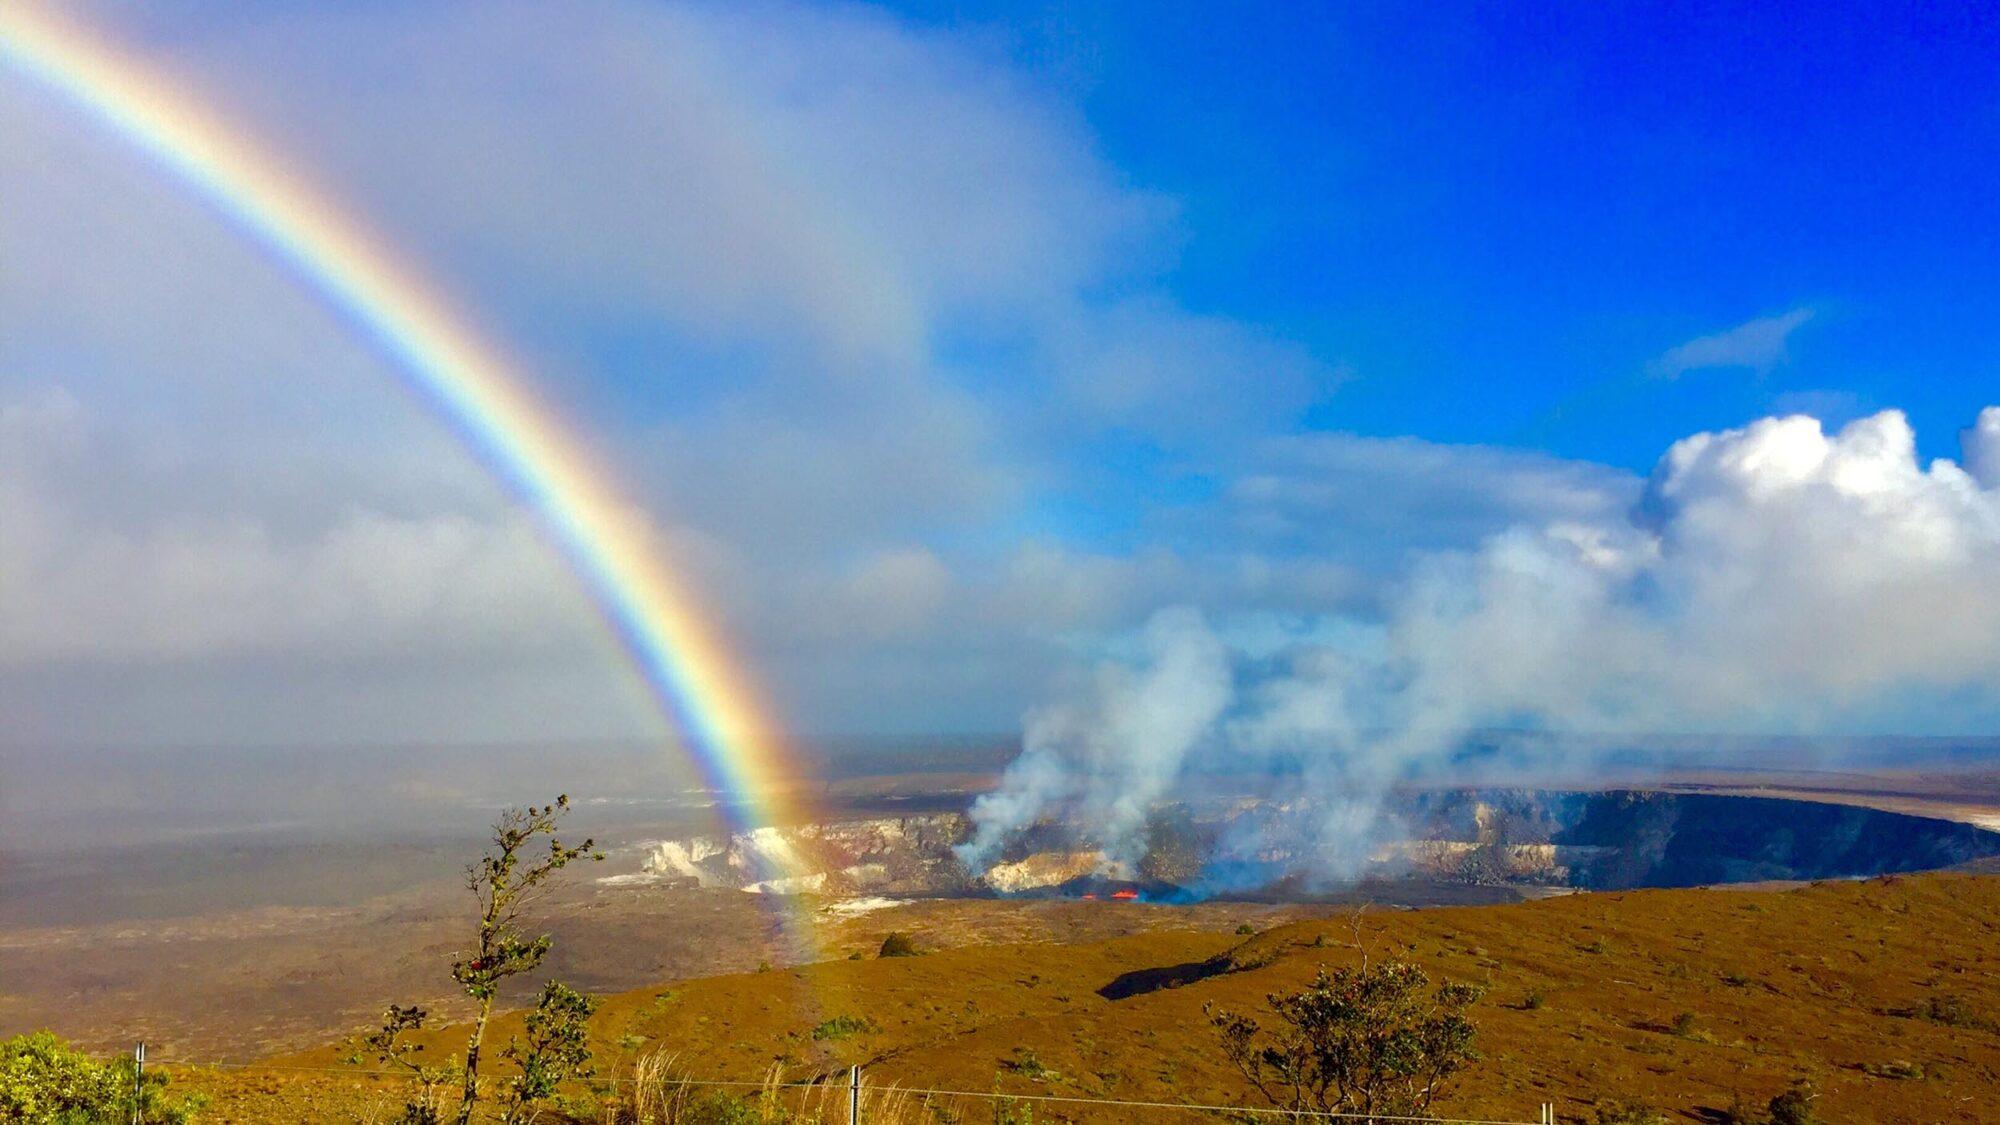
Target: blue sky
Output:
[(945, 346), (1497, 215)]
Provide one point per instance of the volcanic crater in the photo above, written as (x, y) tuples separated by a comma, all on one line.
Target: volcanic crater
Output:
[(1533, 840)]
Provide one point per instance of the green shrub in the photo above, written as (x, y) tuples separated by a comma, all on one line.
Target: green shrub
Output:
[(1953, 1011), (1026, 1064), (45, 1081), (719, 1108), (1245, 928), (1374, 1038), (898, 944), (1795, 1106), (1007, 1111), (554, 1049), (840, 1027)]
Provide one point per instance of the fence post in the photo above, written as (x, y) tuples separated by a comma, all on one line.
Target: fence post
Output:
[(138, 1080), (854, 1095)]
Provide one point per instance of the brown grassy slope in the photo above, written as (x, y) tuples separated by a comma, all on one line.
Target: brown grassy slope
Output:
[(238, 984), (1779, 983)]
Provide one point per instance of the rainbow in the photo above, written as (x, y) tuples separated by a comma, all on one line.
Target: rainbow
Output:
[(470, 384)]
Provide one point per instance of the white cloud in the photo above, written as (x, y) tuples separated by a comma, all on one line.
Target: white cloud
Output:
[(1148, 366), (1375, 500), (732, 240), (1981, 448), (830, 178), (85, 584), (1777, 578), (1758, 344), (841, 296)]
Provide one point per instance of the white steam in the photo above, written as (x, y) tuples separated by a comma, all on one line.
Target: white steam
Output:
[(1774, 578), (1105, 759)]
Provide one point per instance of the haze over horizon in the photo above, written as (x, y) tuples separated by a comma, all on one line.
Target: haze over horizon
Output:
[(947, 351)]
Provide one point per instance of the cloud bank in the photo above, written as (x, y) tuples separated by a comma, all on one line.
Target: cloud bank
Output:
[(837, 293), (888, 348)]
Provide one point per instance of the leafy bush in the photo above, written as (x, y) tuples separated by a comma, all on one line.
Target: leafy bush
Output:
[(1368, 1039), (1007, 1111), (1953, 1011), (45, 1081), (1028, 1065), (898, 944), (719, 1108), (555, 1049), (1795, 1106), (840, 1027)]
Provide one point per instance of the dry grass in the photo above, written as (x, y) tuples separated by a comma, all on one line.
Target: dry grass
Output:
[(1883, 992), (663, 1091)]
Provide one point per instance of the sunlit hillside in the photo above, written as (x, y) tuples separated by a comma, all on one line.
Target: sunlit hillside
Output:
[(1882, 993)]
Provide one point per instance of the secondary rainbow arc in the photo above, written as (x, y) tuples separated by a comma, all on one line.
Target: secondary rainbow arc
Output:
[(471, 384)]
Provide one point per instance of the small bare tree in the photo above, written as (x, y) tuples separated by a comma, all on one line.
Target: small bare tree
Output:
[(1362, 1039), (506, 882), (388, 1045)]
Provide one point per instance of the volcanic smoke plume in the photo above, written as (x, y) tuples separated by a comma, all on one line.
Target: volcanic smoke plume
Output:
[(1772, 578), (1106, 758)]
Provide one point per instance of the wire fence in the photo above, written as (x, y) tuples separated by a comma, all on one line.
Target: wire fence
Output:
[(847, 1098)]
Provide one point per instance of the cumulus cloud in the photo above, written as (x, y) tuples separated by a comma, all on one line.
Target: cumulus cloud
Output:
[(1773, 578), (1981, 448), (1758, 344)]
